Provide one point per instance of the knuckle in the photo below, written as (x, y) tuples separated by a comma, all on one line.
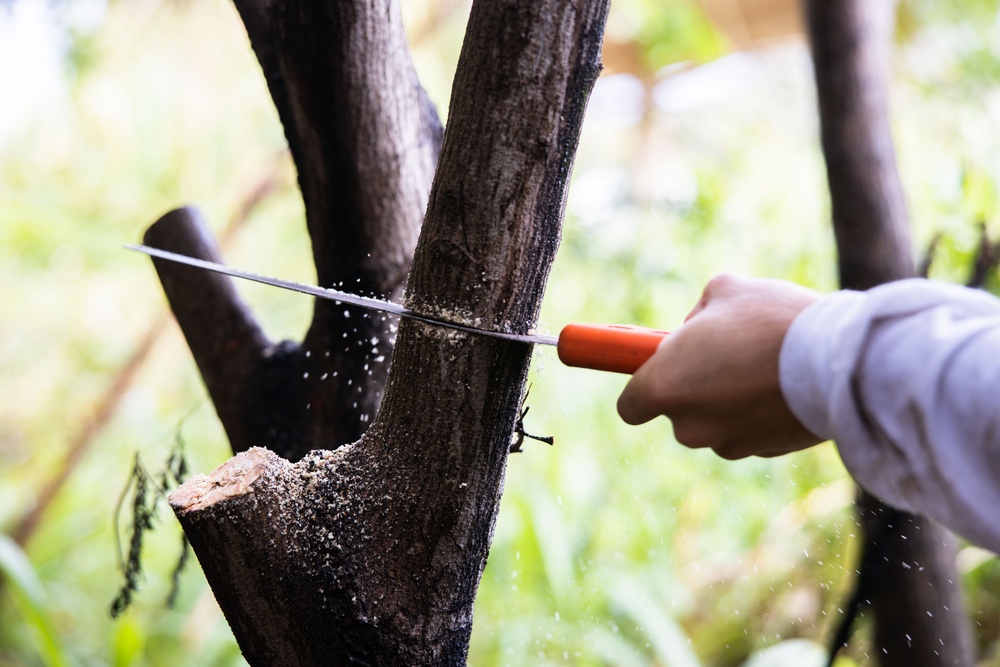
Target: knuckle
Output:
[(728, 453), (669, 400), (733, 449), (724, 285), (720, 283), (691, 436)]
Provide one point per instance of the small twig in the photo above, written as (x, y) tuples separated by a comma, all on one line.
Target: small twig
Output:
[(986, 261), (520, 434), (924, 268)]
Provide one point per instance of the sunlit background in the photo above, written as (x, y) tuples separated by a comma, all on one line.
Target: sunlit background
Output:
[(615, 546)]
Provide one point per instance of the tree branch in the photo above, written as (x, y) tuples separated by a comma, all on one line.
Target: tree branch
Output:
[(365, 139), (222, 334), (362, 131)]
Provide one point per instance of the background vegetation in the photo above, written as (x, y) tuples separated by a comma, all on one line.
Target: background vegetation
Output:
[(615, 546)]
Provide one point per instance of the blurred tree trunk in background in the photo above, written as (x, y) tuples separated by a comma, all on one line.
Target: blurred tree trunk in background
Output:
[(371, 552), (907, 573)]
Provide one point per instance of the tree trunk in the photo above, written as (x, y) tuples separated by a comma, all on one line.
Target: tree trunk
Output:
[(908, 571), (372, 553)]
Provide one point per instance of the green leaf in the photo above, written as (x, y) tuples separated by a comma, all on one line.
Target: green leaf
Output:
[(29, 594)]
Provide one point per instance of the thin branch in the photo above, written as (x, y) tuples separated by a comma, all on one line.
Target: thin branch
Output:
[(924, 267), (986, 261), (223, 336)]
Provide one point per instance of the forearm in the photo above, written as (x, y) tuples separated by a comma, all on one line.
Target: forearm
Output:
[(905, 378)]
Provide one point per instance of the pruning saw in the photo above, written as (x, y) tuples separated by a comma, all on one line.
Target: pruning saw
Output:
[(617, 348)]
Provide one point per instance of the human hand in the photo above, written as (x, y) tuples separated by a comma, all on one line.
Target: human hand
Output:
[(716, 377)]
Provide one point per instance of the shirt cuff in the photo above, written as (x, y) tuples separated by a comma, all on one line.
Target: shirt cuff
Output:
[(805, 365)]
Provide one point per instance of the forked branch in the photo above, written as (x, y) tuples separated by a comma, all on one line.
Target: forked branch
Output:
[(371, 554)]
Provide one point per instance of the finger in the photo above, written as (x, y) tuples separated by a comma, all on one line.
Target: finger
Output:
[(636, 404), (639, 401)]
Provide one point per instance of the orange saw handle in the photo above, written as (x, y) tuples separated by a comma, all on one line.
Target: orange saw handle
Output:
[(617, 348)]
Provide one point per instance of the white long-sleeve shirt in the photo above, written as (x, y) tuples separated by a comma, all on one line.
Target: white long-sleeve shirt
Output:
[(906, 379)]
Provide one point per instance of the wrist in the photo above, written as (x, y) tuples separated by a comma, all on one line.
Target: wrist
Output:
[(805, 362)]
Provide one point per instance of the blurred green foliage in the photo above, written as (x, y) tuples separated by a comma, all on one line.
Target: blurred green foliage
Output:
[(615, 546)]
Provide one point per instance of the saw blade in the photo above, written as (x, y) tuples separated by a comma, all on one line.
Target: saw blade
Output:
[(341, 297)]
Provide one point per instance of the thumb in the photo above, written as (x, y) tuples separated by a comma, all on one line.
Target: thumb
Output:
[(640, 400)]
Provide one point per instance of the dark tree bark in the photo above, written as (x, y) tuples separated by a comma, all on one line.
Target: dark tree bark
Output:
[(908, 571), (365, 140), (372, 553)]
